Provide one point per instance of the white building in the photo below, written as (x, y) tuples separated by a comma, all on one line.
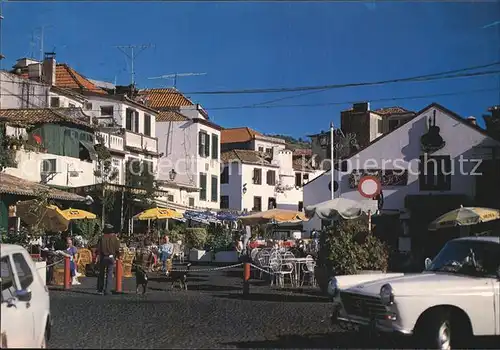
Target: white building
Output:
[(190, 160), (420, 182), (55, 150), (260, 173)]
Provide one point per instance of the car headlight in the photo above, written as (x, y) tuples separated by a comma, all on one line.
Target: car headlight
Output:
[(386, 294), (333, 288)]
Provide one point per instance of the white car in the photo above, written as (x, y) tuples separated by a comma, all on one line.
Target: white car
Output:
[(456, 297), (25, 303)]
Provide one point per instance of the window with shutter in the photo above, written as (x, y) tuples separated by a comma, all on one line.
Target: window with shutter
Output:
[(191, 201), (224, 178), (128, 119), (215, 146), (215, 187), (207, 145), (257, 176), (203, 186), (224, 202), (298, 179), (257, 203), (271, 177), (201, 144), (136, 121), (147, 124)]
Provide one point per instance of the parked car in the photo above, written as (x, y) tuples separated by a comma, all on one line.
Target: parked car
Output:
[(25, 304), (456, 297)]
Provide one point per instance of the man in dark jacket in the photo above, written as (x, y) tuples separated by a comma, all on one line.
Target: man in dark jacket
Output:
[(108, 250)]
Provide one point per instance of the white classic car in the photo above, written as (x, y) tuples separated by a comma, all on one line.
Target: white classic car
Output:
[(25, 304), (456, 297)]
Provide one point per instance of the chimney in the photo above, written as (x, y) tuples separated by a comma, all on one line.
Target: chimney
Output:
[(49, 68), (35, 71), (361, 107), (472, 120)]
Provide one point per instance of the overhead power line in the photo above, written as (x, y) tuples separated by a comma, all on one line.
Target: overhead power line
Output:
[(415, 97), (417, 77)]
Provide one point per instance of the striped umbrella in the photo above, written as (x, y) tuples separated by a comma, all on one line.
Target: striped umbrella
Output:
[(465, 216)]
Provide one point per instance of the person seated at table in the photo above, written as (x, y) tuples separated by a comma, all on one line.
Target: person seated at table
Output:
[(165, 252)]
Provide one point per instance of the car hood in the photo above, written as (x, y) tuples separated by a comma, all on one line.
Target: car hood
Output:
[(425, 283), (348, 281)]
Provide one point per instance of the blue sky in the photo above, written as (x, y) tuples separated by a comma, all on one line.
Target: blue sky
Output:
[(266, 45)]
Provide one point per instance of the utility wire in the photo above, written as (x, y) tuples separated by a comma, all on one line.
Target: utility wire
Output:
[(417, 77), (351, 102)]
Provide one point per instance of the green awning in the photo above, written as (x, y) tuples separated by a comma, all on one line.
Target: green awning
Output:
[(90, 147)]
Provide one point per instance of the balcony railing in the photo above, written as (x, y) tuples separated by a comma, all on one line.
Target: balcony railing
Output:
[(141, 141), (113, 142)]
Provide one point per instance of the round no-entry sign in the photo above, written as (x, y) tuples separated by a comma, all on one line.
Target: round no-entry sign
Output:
[(369, 186)]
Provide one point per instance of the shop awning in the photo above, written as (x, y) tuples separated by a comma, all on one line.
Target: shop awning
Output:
[(89, 147)]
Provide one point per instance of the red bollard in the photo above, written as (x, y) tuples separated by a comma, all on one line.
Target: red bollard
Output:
[(246, 278), (119, 276), (67, 273)]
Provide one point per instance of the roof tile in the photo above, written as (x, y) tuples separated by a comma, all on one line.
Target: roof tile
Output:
[(386, 111), (236, 135), (170, 116), (246, 156), (165, 98), (67, 77), (14, 185), (42, 115)]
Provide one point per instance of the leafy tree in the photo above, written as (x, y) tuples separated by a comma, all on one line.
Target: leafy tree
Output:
[(140, 175), (7, 156), (105, 173)]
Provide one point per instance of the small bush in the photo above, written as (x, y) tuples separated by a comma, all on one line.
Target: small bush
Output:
[(195, 237), (348, 249), (219, 242)]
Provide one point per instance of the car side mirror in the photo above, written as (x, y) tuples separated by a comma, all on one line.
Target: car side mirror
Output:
[(427, 263), (24, 295)]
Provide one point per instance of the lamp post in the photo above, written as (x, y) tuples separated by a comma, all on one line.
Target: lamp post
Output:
[(172, 174), (332, 158)]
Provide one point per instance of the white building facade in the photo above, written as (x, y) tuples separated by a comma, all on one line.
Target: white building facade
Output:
[(410, 170), (190, 147)]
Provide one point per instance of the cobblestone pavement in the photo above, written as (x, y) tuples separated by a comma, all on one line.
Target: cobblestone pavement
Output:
[(211, 314)]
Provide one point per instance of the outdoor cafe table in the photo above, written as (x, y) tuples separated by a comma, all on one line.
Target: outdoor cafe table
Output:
[(297, 267)]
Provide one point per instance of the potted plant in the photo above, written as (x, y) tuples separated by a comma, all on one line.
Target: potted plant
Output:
[(196, 238)]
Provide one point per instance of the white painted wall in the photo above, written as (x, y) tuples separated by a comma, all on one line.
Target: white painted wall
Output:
[(119, 112), (178, 141), (264, 190), (262, 145), (374, 129), (290, 199), (65, 101), (17, 92), (234, 188), (402, 149), (29, 166)]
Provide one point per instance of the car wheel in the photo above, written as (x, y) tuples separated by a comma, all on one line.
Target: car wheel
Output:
[(437, 332)]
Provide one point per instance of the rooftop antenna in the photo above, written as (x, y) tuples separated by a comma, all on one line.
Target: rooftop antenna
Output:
[(41, 38), (174, 76), (135, 50)]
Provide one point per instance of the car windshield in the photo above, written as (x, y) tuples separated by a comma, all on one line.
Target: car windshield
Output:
[(477, 258)]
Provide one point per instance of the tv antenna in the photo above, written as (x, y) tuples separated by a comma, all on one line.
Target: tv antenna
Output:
[(135, 50), (174, 76)]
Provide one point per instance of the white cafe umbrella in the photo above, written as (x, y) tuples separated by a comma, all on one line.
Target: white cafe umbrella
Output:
[(341, 207)]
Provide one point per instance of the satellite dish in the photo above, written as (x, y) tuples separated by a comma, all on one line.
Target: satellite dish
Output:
[(89, 200)]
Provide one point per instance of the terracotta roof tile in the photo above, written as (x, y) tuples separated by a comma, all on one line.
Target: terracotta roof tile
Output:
[(386, 111), (14, 185), (42, 115), (302, 152), (165, 98), (170, 116), (67, 77), (235, 135), (246, 156)]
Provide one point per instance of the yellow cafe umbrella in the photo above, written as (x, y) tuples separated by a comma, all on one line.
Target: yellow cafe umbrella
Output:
[(158, 214), (78, 214), (49, 218), (273, 216), (465, 216)]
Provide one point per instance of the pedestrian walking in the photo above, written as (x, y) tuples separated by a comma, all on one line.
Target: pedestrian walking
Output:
[(165, 251), (108, 250)]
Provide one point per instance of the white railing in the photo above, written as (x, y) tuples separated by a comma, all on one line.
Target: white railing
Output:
[(114, 142), (141, 141)]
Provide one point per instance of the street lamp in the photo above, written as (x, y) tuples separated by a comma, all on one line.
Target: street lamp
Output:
[(172, 174), (323, 139)]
